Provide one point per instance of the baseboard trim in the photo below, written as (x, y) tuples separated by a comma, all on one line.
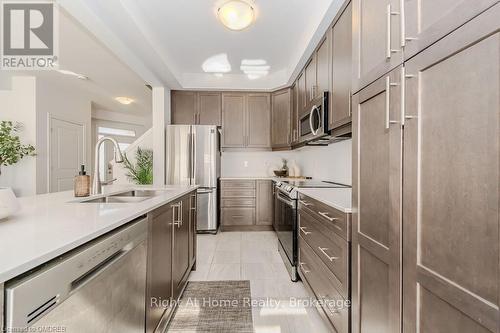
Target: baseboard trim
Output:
[(246, 228)]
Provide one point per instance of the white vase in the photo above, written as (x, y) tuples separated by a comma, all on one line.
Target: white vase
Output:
[(8, 202)]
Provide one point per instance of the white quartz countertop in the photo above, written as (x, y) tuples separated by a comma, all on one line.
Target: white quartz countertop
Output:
[(338, 198), (50, 225)]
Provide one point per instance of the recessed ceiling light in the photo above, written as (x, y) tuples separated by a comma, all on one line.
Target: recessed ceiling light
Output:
[(124, 100), (236, 14)]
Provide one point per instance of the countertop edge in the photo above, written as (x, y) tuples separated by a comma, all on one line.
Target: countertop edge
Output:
[(46, 257), (325, 201)]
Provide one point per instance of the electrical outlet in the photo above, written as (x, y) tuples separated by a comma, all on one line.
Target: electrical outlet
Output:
[(245, 164)]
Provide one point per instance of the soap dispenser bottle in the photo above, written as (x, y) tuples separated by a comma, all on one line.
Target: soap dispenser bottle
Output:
[(82, 183)]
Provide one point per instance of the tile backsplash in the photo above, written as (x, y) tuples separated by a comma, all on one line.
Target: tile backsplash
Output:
[(326, 163)]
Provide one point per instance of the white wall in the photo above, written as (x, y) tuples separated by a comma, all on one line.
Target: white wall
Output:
[(17, 103), (66, 104), (332, 163)]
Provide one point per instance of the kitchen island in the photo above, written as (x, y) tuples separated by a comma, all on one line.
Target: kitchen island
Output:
[(49, 226)]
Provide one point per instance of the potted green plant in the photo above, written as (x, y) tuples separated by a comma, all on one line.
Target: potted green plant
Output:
[(11, 152), (140, 173), (11, 148)]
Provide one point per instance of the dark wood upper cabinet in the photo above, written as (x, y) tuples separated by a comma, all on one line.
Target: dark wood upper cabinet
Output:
[(196, 108), (376, 40), (294, 114), (341, 63), (311, 79), (302, 96), (184, 107), (426, 21), (233, 120), (209, 108), (258, 120), (323, 67), (281, 103)]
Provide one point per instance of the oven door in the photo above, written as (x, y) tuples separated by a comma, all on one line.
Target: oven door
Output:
[(285, 224)]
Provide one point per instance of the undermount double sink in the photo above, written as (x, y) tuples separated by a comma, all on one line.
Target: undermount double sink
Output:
[(131, 196)]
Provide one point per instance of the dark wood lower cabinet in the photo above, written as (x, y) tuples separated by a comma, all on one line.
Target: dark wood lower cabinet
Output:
[(246, 204), (324, 261), (171, 256)]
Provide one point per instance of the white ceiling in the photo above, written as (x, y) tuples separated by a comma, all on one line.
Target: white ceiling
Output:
[(82, 53), (168, 41)]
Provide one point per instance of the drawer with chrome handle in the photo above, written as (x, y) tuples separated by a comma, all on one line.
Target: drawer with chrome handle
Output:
[(335, 220), (325, 287), (323, 250), (328, 247)]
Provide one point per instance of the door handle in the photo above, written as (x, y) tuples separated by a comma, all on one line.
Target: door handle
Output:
[(323, 250), (389, 50), (388, 86), (303, 269), (304, 231), (176, 218), (329, 218), (305, 203)]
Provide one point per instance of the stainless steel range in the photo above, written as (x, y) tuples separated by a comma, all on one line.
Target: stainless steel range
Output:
[(285, 217)]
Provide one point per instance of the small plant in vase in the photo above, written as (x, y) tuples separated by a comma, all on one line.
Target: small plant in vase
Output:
[(142, 172), (11, 149)]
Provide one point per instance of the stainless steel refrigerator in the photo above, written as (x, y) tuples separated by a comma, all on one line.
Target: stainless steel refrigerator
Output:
[(193, 158)]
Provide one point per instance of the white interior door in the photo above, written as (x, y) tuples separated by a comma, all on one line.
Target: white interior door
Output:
[(67, 153)]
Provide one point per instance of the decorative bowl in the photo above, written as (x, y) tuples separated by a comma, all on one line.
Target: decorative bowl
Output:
[(280, 173)]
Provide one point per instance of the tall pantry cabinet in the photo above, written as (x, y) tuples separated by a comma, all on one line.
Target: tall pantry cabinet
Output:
[(426, 176)]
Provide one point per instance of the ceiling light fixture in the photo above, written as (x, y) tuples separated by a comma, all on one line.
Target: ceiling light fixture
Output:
[(124, 100), (236, 14)]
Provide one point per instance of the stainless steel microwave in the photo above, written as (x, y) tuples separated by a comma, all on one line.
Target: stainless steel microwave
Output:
[(314, 124)]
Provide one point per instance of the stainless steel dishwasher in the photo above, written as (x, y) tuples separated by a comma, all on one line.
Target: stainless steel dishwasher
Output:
[(98, 287)]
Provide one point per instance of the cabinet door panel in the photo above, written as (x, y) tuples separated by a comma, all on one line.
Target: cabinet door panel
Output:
[(376, 39), (452, 153), (209, 110), (302, 98), (340, 106), (376, 222), (311, 79), (294, 114), (264, 202), (159, 263), (323, 67), (181, 255), (233, 120), (426, 21), (281, 119), (184, 107), (259, 121)]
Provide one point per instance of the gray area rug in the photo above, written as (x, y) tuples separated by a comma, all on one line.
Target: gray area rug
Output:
[(214, 306)]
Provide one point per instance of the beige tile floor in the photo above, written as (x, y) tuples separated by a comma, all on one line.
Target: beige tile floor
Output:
[(254, 256)]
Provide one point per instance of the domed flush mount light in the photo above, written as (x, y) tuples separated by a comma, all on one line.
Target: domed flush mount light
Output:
[(236, 14), (124, 100)]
